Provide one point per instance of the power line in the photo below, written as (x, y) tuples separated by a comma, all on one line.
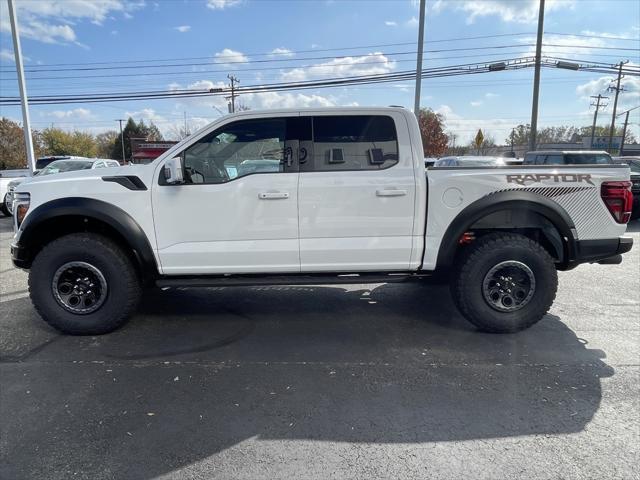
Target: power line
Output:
[(290, 51), (216, 60), (436, 72), (593, 36)]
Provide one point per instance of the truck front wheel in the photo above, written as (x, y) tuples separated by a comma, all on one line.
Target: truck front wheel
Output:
[(504, 282), (84, 284)]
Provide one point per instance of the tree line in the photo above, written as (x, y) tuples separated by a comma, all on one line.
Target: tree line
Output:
[(436, 143), (55, 141)]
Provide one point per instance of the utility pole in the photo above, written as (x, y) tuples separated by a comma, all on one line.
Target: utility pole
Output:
[(615, 104), (24, 101), (120, 120), (186, 131), (513, 131), (416, 105), (536, 79), (595, 116), (233, 80), (624, 132)]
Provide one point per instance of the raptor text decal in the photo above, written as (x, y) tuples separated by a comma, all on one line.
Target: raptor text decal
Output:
[(552, 177)]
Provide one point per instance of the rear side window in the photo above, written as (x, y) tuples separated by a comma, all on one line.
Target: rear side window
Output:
[(352, 142)]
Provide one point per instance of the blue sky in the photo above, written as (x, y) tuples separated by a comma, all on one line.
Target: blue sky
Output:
[(315, 40)]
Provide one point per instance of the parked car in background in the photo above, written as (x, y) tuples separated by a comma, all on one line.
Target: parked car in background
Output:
[(634, 165), (429, 161), (470, 161), (67, 164), (567, 157), (42, 162), (6, 178)]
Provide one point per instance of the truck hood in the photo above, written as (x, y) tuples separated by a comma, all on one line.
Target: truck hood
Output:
[(83, 176)]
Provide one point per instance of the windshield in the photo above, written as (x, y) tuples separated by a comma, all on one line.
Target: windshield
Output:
[(65, 166)]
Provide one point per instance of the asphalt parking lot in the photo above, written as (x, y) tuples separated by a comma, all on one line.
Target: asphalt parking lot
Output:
[(325, 382)]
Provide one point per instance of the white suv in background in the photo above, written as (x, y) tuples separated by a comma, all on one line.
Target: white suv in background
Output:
[(58, 166)]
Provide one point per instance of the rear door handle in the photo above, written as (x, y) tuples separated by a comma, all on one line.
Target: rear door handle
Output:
[(390, 193), (273, 195)]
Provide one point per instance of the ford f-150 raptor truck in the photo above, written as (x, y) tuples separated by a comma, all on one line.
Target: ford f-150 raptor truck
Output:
[(325, 196)]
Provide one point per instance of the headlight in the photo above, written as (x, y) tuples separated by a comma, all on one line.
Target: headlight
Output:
[(21, 203)]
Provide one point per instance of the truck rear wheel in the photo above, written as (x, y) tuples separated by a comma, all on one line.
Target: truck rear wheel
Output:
[(504, 283), (84, 284)]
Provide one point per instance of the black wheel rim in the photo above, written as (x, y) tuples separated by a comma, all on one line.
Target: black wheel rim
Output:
[(509, 286), (79, 287)]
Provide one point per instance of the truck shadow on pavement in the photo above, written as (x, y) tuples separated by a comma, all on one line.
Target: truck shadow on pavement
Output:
[(201, 370)]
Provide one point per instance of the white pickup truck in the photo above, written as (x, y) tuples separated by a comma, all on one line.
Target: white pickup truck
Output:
[(6, 177), (321, 196)]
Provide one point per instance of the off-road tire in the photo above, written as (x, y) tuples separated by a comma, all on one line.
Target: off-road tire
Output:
[(122, 295), (476, 262)]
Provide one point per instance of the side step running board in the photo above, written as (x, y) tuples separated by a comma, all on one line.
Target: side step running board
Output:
[(295, 279)]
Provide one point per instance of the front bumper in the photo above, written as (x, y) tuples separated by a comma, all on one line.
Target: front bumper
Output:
[(605, 251), (19, 256)]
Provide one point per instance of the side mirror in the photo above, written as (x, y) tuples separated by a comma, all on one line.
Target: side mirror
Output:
[(173, 171)]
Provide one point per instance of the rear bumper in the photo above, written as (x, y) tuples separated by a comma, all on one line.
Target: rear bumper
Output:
[(593, 251)]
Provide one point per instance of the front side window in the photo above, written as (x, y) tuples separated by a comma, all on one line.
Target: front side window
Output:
[(352, 142), (236, 150)]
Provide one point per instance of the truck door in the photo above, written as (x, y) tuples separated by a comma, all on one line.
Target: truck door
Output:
[(237, 210), (356, 194)]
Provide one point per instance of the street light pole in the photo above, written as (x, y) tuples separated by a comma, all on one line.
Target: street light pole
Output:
[(536, 79), (26, 123), (416, 105)]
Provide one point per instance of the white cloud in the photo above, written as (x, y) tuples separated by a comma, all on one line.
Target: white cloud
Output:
[(476, 103), (52, 21), (76, 113), (390, 23), (228, 56), (628, 98), (183, 28), (255, 101), (221, 4), (465, 129), (281, 52), (286, 100), (147, 114), (563, 45), (523, 11), (6, 55), (370, 64), (411, 23), (491, 95)]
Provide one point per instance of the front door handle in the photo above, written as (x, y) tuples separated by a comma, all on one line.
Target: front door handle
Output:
[(273, 195), (390, 193)]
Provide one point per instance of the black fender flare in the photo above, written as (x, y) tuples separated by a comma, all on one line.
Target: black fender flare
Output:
[(104, 212), (509, 200)]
